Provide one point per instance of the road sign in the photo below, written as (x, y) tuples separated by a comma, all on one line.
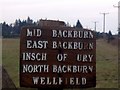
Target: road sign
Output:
[(56, 57)]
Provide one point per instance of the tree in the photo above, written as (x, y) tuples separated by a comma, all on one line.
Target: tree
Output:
[(29, 21), (14, 30), (78, 24), (6, 30), (110, 36)]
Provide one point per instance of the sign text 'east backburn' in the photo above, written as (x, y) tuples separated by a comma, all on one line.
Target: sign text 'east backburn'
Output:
[(57, 57)]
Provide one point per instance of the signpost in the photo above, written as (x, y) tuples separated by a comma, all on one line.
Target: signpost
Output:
[(57, 57)]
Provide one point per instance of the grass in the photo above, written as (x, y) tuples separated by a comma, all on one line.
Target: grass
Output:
[(106, 62), (10, 58), (106, 65)]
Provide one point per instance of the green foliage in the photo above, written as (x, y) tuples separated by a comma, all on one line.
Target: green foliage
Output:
[(9, 31), (110, 36), (78, 24)]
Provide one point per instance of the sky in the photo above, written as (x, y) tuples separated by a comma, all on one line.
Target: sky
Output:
[(87, 11)]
